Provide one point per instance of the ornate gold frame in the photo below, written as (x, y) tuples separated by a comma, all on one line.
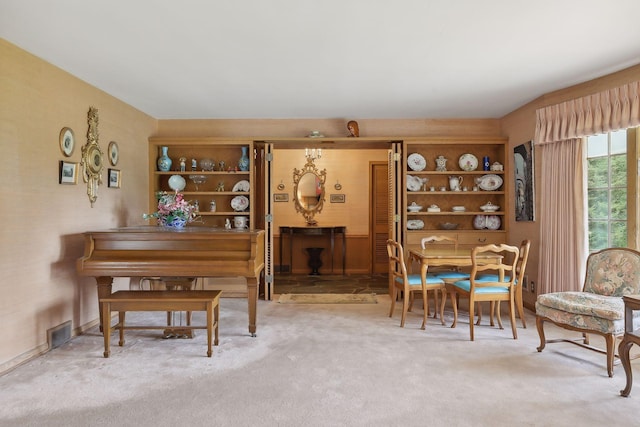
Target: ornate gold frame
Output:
[(311, 168), (92, 163)]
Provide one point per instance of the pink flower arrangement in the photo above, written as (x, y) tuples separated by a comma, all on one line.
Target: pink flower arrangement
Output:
[(173, 210)]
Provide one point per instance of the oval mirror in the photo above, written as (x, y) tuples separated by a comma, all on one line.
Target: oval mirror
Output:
[(308, 191)]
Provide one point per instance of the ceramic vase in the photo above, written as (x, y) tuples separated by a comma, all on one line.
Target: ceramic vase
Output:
[(177, 223), (164, 162), (243, 163)]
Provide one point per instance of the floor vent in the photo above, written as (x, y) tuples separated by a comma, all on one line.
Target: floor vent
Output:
[(59, 335)]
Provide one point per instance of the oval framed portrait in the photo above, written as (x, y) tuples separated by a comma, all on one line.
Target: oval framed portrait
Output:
[(113, 153), (67, 141)]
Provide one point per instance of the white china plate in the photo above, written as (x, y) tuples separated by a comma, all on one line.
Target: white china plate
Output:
[(242, 186), (468, 162), (416, 162), (493, 222), (414, 183), (177, 183), (490, 182), (480, 222), (415, 224), (239, 203)]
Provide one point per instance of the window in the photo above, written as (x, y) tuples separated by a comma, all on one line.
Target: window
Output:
[(611, 189)]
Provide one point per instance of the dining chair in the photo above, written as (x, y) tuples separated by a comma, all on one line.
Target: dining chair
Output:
[(448, 274), (521, 267), (476, 290), (408, 284)]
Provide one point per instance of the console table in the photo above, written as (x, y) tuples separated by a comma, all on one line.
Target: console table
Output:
[(313, 230)]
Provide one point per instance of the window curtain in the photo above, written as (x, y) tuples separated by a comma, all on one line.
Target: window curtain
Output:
[(563, 216)]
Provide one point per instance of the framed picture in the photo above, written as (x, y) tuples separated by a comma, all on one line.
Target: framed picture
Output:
[(67, 141), (281, 197), (68, 172), (113, 153), (114, 178), (337, 198), (524, 189)]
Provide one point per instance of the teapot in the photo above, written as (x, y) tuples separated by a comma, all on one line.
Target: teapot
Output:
[(455, 182)]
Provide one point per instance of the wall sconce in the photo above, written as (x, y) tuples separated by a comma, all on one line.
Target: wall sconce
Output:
[(312, 154)]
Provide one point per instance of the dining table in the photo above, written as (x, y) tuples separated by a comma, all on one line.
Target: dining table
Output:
[(444, 255)]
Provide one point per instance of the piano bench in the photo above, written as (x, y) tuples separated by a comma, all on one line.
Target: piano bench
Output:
[(123, 301)]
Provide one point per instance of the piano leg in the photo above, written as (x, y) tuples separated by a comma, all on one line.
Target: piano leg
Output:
[(252, 299), (104, 290)]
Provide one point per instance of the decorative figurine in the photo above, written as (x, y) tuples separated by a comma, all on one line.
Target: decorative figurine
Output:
[(227, 224), (220, 186), (194, 165), (354, 130), (441, 163), (221, 165), (183, 164)]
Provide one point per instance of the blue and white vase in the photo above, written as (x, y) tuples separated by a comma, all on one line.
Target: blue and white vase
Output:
[(243, 163), (164, 162), (177, 223)]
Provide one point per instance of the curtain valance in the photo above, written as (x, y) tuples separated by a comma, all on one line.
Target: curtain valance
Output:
[(602, 112)]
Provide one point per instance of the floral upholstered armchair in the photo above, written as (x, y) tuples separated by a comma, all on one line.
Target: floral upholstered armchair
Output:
[(598, 309)]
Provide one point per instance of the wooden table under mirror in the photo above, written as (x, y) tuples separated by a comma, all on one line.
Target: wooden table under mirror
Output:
[(314, 230)]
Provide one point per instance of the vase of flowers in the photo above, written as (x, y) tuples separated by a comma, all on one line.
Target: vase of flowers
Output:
[(173, 210)]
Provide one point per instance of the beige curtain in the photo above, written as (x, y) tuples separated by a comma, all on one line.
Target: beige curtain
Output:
[(563, 216), (617, 108), (563, 219)]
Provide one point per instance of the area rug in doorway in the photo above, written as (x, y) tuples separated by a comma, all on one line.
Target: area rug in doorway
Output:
[(328, 299)]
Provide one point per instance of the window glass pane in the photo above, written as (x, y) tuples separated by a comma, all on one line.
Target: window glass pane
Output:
[(598, 172), (619, 234), (619, 142), (597, 145), (619, 203), (598, 204), (598, 232), (619, 170)]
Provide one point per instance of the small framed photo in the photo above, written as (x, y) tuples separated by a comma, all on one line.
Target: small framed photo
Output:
[(68, 172), (337, 198), (113, 153), (281, 197), (114, 178), (67, 141)]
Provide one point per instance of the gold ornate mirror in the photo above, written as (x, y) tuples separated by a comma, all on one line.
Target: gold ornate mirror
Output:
[(308, 190)]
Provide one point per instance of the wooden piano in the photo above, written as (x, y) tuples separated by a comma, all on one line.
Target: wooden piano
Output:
[(148, 251)]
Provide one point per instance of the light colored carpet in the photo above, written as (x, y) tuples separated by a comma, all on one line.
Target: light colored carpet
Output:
[(327, 299), (320, 365)]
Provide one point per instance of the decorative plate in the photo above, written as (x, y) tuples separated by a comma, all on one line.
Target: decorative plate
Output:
[(416, 162), (242, 186), (113, 153), (468, 162), (239, 203), (414, 183), (415, 224), (493, 222), (480, 222), (67, 141), (177, 183), (490, 182)]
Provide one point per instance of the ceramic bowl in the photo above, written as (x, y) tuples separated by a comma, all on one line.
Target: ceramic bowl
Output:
[(448, 226), (413, 207)]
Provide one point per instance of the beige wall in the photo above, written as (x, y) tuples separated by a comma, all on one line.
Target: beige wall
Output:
[(43, 220)]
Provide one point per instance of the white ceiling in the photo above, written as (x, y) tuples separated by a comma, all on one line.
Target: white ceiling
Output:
[(353, 59)]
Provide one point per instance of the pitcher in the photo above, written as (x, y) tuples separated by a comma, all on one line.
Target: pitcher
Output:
[(455, 182)]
